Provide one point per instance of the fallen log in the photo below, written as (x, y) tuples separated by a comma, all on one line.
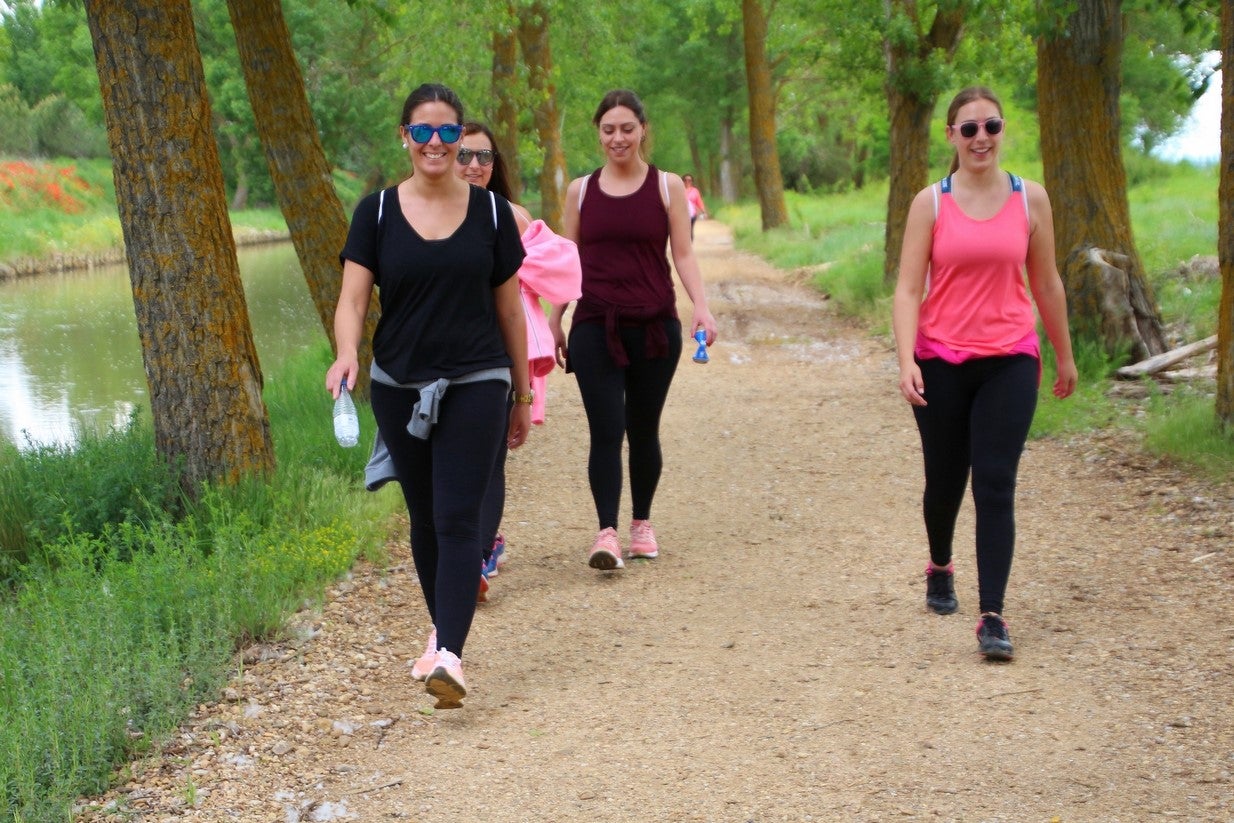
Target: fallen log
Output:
[(1187, 375), (1160, 362)]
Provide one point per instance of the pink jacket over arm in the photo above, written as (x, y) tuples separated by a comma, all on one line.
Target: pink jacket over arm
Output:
[(551, 270)]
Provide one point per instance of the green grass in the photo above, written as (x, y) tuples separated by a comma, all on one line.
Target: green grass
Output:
[(1174, 218), (1183, 427), (120, 616)]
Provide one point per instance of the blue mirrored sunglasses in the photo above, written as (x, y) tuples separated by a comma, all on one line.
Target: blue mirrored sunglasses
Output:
[(423, 132)]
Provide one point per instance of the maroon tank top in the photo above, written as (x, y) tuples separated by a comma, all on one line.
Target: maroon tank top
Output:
[(626, 276)]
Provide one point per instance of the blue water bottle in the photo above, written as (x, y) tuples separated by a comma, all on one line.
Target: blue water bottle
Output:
[(700, 356)]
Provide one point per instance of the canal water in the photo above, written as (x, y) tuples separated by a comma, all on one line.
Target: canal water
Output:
[(70, 357)]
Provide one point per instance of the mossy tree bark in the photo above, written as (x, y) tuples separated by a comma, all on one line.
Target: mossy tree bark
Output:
[(301, 174), (914, 54), (1078, 84), (768, 181), (505, 120), (205, 382), (1225, 228), (533, 38)]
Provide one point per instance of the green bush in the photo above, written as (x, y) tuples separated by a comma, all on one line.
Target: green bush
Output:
[(105, 479), (17, 136), (62, 130)]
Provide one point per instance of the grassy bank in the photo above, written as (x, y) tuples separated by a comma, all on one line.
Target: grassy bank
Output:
[(61, 208), (836, 241), (124, 604)]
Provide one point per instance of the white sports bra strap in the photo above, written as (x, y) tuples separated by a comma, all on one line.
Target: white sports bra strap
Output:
[(582, 190)]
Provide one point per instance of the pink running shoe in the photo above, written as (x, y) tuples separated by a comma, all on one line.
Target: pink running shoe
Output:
[(643, 540), (425, 662), (606, 551), (445, 681)]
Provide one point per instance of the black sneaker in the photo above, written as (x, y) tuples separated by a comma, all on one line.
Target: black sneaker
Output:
[(992, 638), (940, 591)]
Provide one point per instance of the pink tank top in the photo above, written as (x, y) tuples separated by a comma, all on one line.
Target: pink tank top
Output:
[(977, 304)]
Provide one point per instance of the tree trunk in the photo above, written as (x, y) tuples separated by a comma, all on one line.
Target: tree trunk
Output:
[(1225, 228), (505, 121), (911, 96), (1078, 76), (201, 366), (297, 162), (533, 37), (728, 174), (768, 180)]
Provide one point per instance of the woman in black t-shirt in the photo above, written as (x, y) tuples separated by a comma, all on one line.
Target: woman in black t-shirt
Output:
[(448, 349)]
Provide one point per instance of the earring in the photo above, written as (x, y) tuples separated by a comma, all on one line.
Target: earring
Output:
[(404, 144)]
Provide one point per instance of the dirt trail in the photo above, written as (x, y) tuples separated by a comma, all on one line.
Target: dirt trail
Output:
[(777, 662)]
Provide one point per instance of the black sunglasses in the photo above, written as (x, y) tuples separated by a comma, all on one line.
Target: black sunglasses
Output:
[(423, 132), (485, 156), (969, 127)]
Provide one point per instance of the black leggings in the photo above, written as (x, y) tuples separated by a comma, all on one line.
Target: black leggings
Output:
[(977, 417), (495, 498), (444, 480), (623, 403)]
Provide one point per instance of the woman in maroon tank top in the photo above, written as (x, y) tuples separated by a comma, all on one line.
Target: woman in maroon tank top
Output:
[(625, 337)]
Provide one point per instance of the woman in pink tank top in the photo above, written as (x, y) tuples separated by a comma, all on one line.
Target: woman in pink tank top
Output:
[(966, 332)]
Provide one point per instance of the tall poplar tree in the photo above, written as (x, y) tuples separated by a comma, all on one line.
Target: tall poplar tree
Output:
[(916, 45), (205, 382), (768, 180), (1078, 80), (298, 167), (533, 37), (1225, 227)]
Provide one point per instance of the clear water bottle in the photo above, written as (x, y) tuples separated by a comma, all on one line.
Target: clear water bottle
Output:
[(346, 422)]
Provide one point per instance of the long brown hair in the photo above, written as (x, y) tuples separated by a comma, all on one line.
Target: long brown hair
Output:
[(498, 182), (962, 99)]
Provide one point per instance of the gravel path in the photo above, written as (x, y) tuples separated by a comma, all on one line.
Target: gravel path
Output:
[(776, 663)]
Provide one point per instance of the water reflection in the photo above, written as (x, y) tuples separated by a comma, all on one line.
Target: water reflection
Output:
[(70, 356)]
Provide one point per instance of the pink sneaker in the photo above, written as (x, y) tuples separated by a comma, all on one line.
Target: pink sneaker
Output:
[(643, 540), (445, 681), (606, 551), (425, 662)]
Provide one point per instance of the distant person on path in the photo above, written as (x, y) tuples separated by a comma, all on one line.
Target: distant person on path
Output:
[(694, 202), (551, 271), (625, 336), (970, 360), (448, 350)]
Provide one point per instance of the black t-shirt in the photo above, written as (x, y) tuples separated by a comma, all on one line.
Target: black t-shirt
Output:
[(438, 315)]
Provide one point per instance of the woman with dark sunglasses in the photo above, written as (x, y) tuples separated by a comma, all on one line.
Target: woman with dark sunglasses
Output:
[(970, 358), (448, 349), (549, 271), (625, 337)]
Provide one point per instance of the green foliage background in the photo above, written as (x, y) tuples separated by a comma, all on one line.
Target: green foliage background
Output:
[(360, 58)]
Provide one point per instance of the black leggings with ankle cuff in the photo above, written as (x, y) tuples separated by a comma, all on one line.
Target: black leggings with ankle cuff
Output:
[(977, 418), (623, 403), (444, 480)]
